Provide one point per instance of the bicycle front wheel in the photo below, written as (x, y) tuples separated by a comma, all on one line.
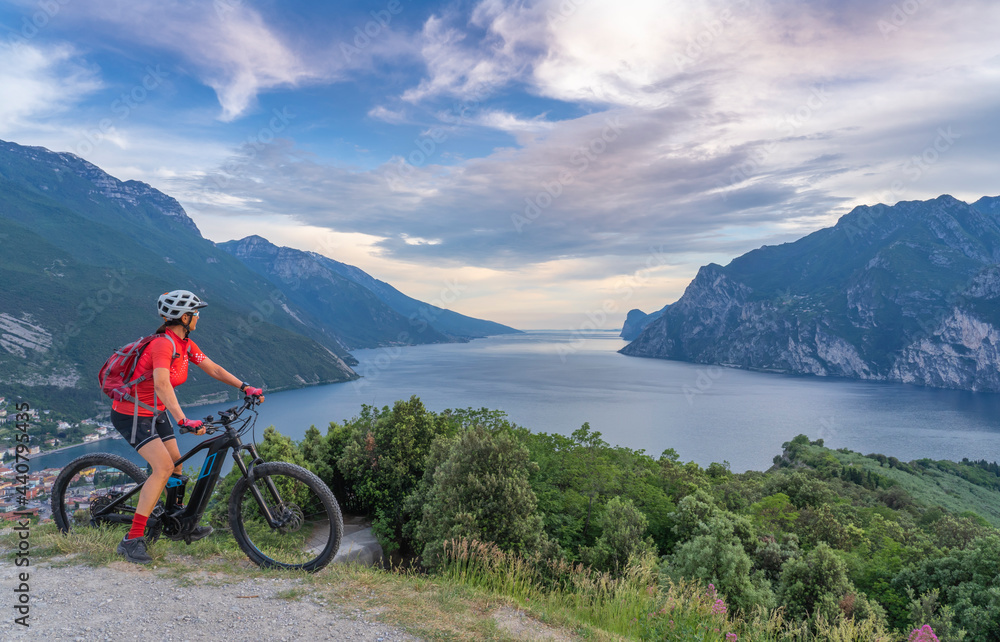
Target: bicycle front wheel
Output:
[(286, 518), (88, 484)]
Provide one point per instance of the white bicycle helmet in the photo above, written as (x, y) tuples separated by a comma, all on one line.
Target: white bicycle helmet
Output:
[(174, 304)]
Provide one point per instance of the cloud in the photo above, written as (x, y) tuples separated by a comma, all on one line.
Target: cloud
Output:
[(702, 139), (468, 67), (228, 44), (511, 123), (590, 187), (394, 117), (39, 83), (700, 129)]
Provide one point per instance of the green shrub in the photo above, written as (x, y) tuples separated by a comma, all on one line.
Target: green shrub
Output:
[(967, 581), (479, 491), (716, 555), (383, 460), (623, 536), (817, 585), (771, 555), (278, 447)]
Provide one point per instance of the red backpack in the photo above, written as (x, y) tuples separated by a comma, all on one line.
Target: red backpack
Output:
[(118, 378)]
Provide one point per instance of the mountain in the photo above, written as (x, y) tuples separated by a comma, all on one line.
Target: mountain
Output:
[(348, 312), (84, 257), (907, 293), (636, 321), (419, 313)]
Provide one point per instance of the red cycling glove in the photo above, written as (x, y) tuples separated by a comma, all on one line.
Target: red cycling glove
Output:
[(194, 425), (250, 391)]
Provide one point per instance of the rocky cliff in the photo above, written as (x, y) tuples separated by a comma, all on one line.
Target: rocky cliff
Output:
[(637, 320), (906, 293)]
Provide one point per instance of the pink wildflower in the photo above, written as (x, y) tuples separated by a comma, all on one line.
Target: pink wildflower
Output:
[(732, 637), (719, 608), (923, 634), (712, 593)]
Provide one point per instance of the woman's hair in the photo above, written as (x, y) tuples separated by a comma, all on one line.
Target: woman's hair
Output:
[(167, 324)]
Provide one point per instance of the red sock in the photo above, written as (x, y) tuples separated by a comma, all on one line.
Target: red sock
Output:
[(138, 526)]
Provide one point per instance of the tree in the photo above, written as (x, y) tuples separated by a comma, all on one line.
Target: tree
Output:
[(384, 459), (314, 452), (693, 512), (596, 478), (967, 581), (817, 584), (279, 447), (623, 536), (771, 555), (715, 554), (480, 491), (775, 513)]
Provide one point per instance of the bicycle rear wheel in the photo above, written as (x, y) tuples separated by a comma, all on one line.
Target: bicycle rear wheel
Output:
[(305, 525), (91, 482)]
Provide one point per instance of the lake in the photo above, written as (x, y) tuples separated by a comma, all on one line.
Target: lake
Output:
[(554, 381)]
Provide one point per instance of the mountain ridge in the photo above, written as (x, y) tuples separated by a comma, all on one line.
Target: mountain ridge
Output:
[(893, 293), (349, 312), (83, 250), (445, 321)]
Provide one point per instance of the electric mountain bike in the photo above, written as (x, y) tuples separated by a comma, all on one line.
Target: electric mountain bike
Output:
[(280, 514)]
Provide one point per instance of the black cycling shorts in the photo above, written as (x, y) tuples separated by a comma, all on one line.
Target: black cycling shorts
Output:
[(144, 432)]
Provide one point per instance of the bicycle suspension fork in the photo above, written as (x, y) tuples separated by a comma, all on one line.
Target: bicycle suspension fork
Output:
[(254, 490)]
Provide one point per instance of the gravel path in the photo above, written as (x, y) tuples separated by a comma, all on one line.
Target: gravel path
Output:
[(126, 602)]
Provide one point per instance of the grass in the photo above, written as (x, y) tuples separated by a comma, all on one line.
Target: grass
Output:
[(636, 605), (468, 598), (429, 607), (931, 486)]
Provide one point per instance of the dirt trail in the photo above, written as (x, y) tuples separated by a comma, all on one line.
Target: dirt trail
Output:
[(126, 602)]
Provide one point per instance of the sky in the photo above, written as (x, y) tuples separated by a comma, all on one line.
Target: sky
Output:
[(548, 164)]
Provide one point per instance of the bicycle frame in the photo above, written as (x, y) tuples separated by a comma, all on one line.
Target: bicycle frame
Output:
[(208, 479)]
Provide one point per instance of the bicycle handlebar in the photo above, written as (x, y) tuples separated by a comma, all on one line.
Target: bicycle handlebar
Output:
[(227, 417)]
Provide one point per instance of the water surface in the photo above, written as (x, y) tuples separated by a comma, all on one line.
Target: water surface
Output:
[(554, 381)]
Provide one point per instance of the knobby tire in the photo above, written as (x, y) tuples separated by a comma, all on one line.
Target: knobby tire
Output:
[(119, 473), (312, 523)]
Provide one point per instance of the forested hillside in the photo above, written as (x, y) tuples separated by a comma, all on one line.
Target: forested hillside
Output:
[(824, 541)]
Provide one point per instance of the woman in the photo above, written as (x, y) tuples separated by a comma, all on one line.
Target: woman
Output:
[(167, 357)]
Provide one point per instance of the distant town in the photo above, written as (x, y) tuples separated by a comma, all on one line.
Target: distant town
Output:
[(47, 433)]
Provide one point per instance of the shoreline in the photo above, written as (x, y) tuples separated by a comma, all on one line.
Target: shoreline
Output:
[(82, 443)]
